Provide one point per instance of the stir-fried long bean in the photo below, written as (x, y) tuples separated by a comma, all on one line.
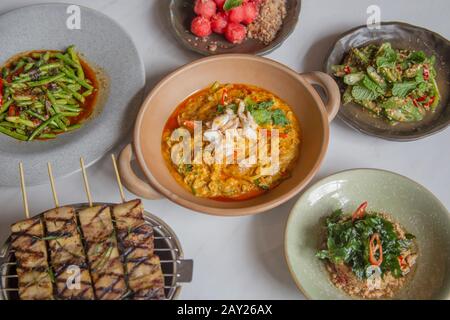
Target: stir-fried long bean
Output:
[(43, 94)]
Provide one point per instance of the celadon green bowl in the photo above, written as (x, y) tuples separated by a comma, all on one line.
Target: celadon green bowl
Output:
[(408, 203)]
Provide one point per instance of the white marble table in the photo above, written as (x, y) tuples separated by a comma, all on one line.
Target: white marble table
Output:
[(243, 257)]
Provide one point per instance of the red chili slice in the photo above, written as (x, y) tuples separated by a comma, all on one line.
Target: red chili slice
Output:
[(401, 261), (374, 246), (224, 96), (426, 74), (359, 213), (347, 70), (429, 103), (423, 98), (11, 111), (281, 134), (189, 124)]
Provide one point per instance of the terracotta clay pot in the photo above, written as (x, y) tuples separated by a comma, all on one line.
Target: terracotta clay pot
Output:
[(294, 88)]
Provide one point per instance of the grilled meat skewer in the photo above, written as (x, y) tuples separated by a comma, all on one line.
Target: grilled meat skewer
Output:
[(101, 247), (144, 274), (66, 252), (33, 271)]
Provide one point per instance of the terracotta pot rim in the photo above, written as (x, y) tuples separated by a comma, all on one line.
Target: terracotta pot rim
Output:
[(230, 211)]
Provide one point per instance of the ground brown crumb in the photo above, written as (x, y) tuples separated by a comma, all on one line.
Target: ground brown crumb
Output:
[(269, 21), (212, 46)]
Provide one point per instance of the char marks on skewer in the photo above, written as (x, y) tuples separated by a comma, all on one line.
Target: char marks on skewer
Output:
[(101, 247), (144, 273), (66, 251), (33, 271)]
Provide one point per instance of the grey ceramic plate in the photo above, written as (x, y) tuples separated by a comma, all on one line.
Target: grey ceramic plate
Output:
[(407, 202), (181, 13), (401, 35), (106, 46)]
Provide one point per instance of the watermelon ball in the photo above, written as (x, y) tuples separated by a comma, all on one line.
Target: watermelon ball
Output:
[(201, 27), (219, 22), (205, 8), (219, 4), (235, 32), (236, 15), (250, 12)]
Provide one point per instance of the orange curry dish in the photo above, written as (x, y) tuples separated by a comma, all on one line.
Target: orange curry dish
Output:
[(231, 142)]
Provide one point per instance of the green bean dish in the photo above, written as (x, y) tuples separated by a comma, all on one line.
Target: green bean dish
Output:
[(45, 93), (395, 84)]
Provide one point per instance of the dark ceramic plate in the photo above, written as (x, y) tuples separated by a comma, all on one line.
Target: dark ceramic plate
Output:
[(401, 35), (181, 13)]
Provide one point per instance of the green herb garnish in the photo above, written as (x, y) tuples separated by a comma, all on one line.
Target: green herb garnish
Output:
[(263, 114), (261, 185), (230, 4)]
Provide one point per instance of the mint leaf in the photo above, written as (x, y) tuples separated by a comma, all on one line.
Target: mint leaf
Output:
[(417, 56), (372, 85), (362, 93), (230, 4), (279, 117), (402, 89), (387, 56)]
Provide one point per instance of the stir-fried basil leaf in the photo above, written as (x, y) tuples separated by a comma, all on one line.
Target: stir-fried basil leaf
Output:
[(348, 242)]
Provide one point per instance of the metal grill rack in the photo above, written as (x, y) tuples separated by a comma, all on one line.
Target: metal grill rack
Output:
[(176, 269)]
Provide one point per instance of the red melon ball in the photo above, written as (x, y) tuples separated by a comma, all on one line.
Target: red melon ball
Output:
[(250, 12), (219, 22), (236, 15), (205, 8), (220, 4), (201, 27), (235, 32)]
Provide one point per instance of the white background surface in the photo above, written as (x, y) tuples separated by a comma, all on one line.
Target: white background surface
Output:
[(243, 257)]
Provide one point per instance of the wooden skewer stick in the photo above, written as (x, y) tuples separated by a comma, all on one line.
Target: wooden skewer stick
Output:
[(52, 184), (86, 183), (24, 191), (119, 181)]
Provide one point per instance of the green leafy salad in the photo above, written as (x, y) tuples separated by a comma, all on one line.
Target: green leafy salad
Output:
[(398, 85), (367, 239)]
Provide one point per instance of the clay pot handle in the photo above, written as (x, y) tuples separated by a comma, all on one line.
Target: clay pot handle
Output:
[(331, 88), (131, 181)]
